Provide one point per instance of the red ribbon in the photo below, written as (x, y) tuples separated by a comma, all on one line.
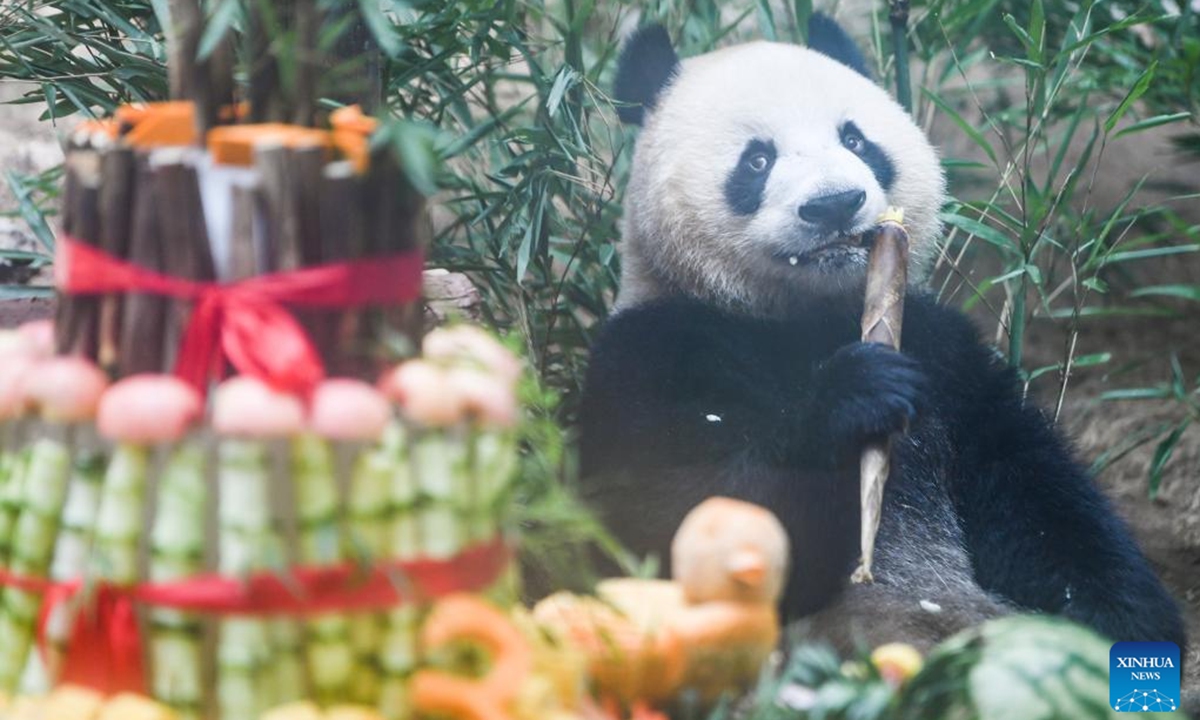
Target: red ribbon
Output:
[(105, 648), (246, 321)]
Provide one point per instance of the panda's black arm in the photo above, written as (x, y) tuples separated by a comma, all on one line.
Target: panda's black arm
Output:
[(676, 383), (1038, 530)]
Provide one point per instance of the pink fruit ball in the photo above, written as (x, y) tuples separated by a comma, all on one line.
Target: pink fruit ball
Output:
[(487, 398), (14, 395), (66, 389), (40, 336), (467, 344), (247, 407), (346, 409), (145, 409), (424, 393)]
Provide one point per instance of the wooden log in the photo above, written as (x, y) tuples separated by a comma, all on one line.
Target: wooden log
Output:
[(78, 321), (184, 233), (143, 322), (116, 220), (396, 223), (305, 166), (343, 236), (244, 251), (281, 218)]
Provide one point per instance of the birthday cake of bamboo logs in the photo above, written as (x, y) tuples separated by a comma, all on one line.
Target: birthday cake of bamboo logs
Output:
[(218, 486)]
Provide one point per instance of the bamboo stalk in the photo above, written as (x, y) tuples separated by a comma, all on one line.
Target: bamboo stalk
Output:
[(898, 18), (329, 655), (373, 483), (43, 493), (177, 552), (398, 649), (266, 102), (306, 22), (883, 315), (10, 499), (245, 681), (207, 82), (74, 546), (365, 87)]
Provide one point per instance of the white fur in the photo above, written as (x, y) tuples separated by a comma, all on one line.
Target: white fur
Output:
[(680, 234)]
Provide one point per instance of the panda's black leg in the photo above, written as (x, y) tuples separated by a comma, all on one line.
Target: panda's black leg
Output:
[(1042, 535)]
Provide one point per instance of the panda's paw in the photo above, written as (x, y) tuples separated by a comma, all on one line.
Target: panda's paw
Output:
[(867, 391)]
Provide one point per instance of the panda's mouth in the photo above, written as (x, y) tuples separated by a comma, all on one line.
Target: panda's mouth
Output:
[(839, 247)]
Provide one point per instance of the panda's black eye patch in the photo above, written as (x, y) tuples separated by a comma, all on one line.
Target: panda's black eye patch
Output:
[(875, 158), (748, 180)]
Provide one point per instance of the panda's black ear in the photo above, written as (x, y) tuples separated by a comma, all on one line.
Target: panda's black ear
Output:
[(828, 38), (647, 64)]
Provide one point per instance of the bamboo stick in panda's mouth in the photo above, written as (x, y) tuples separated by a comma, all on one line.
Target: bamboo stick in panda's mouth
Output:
[(883, 315)]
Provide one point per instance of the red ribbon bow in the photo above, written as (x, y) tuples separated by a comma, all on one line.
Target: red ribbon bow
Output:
[(105, 648), (246, 321)]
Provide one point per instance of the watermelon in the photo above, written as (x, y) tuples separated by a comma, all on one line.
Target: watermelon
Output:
[(1023, 667)]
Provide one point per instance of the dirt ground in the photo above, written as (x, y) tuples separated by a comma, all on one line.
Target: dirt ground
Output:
[(1168, 527)]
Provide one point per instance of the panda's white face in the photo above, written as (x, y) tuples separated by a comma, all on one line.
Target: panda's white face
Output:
[(756, 173)]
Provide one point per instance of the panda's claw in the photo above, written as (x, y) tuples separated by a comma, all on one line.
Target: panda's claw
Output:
[(866, 391)]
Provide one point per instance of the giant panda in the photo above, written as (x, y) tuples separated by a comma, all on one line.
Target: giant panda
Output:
[(732, 364)]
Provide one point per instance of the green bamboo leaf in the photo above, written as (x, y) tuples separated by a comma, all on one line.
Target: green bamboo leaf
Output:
[(30, 213), (1186, 292), (1139, 88), (1126, 255), (565, 80), (1155, 393), (969, 129), (766, 20), (1037, 29), (381, 28), (1153, 122), (1024, 36), (1096, 311), (1163, 453), (803, 11), (984, 232), (218, 25), (1092, 360)]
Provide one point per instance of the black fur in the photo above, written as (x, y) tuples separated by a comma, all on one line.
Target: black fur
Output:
[(744, 186), (828, 38), (684, 401), (873, 155), (646, 67)]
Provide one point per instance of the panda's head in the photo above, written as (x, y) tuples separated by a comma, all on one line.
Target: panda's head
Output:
[(758, 168)]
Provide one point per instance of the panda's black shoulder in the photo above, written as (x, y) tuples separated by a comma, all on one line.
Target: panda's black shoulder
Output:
[(938, 332), (657, 339)]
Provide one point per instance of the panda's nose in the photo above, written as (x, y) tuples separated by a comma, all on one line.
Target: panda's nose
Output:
[(834, 211)]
